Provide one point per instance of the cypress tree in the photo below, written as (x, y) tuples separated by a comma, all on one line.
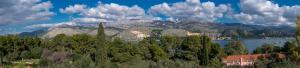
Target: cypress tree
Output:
[(206, 43), (101, 48), (298, 30)]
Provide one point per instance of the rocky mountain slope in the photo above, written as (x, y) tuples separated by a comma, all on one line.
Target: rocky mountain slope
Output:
[(139, 29)]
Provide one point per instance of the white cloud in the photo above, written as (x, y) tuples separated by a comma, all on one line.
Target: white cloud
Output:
[(193, 1), (106, 13), (50, 25), (42, 6), (265, 12), (259, 12), (19, 11), (191, 9), (89, 20), (73, 9)]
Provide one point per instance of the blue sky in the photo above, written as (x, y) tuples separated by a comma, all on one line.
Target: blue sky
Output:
[(28, 15)]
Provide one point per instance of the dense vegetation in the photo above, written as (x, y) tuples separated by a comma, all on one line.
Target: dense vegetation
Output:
[(84, 51)]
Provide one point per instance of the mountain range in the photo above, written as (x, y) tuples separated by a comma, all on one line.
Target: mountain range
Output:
[(130, 31)]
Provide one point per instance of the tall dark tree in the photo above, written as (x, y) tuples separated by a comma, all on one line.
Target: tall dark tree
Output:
[(298, 30), (291, 48), (101, 48), (206, 43), (2, 49)]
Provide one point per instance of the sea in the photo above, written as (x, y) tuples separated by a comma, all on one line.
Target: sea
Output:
[(251, 44)]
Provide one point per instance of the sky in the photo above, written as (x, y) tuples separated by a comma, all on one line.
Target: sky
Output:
[(28, 15)]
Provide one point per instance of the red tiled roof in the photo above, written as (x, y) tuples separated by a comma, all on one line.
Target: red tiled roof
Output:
[(280, 56), (245, 57), (251, 57)]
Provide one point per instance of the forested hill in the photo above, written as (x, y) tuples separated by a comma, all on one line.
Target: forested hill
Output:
[(256, 31)]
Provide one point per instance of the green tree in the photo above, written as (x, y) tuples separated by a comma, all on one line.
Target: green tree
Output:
[(292, 51), (157, 53), (235, 48), (143, 47), (83, 43), (120, 51), (216, 51), (60, 42), (205, 51), (201, 47), (289, 47), (298, 30), (215, 63), (267, 48), (292, 48), (84, 62), (101, 48), (170, 44), (2, 49), (189, 49), (295, 56), (155, 36)]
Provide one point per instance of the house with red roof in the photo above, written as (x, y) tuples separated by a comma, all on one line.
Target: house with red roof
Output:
[(247, 60)]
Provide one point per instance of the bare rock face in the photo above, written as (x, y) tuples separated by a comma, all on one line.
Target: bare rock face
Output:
[(135, 30), (131, 34), (67, 31), (175, 32), (134, 34), (52, 32), (108, 32)]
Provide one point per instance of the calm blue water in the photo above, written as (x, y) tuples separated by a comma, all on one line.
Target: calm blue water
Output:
[(251, 44)]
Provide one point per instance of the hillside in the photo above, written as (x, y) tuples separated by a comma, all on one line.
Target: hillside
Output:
[(131, 30)]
